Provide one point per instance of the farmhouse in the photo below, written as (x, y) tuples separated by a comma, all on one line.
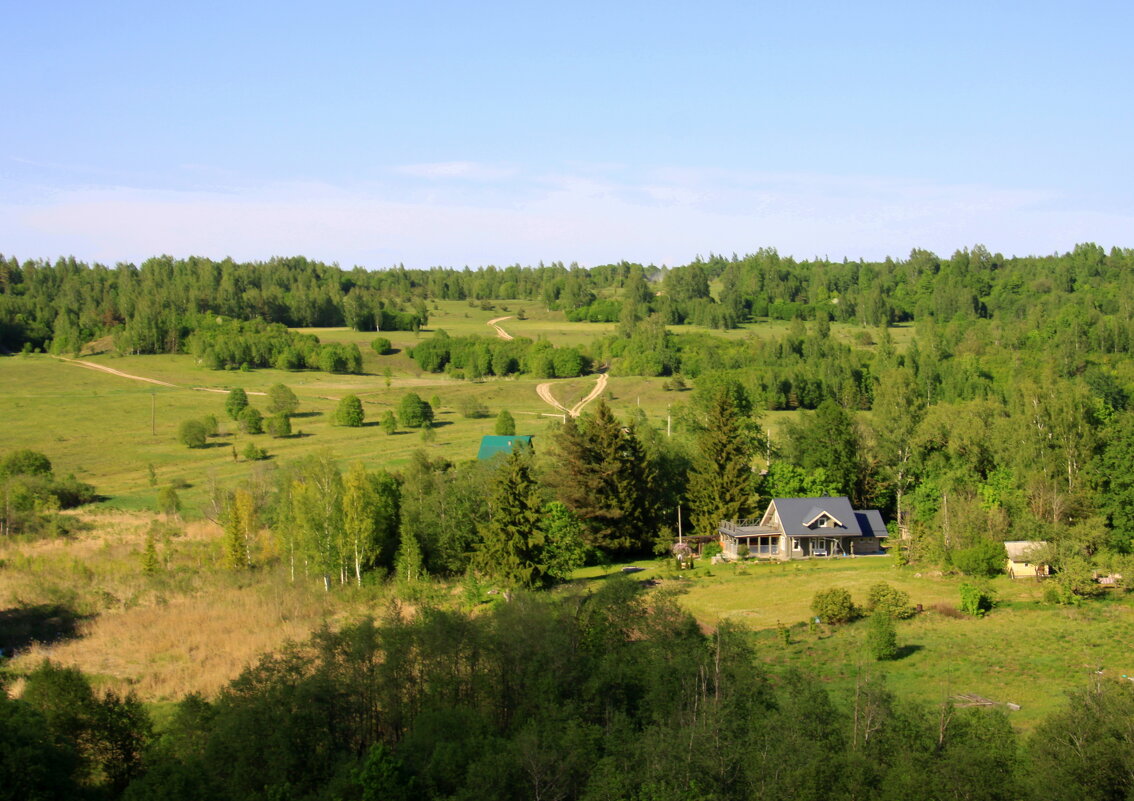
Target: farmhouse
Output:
[(1022, 559), (802, 528)]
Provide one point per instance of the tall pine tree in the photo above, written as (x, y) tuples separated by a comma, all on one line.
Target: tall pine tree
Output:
[(606, 479), (512, 545), (720, 483)]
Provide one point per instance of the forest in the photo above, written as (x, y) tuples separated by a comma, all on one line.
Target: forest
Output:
[(972, 400)]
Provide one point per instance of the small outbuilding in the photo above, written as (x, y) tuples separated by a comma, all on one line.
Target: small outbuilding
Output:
[(493, 444), (1023, 559)]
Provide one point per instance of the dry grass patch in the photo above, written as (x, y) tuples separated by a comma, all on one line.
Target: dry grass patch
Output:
[(188, 644), (191, 627)]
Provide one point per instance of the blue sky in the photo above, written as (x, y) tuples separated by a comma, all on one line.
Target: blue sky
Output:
[(494, 133)]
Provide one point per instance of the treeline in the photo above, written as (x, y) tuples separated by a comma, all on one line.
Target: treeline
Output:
[(220, 343), (476, 356), (43, 303), (605, 696)]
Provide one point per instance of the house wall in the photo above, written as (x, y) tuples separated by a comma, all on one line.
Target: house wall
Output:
[(1025, 569)]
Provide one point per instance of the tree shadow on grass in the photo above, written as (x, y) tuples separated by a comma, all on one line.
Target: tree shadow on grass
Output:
[(45, 623), (306, 414), (907, 650)]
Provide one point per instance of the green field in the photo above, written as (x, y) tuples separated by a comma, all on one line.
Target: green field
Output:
[(1025, 652)]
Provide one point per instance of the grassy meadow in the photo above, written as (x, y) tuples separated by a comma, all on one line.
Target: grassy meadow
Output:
[(193, 626), (1024, 652)]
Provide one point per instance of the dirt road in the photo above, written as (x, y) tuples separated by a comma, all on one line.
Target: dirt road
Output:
[(111, 371), (544, 391), (500, 332)]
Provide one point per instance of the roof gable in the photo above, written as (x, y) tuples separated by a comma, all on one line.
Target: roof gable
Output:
[(796, 515)]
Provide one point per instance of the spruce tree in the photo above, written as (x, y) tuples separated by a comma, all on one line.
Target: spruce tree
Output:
[(512, 544), (505, 424), (606, 479), (720, 483)]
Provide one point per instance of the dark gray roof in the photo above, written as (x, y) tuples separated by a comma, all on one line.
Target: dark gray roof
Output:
[(870, 521), (794, 512)]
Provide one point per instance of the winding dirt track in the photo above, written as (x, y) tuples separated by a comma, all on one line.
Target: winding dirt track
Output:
[(500, 332), (544, 391), (110, 370)]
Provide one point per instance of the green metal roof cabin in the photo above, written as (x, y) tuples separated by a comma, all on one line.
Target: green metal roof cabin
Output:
[(493, 444)]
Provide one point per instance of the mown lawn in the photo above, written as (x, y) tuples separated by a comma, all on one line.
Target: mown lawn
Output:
[(1025, 652)]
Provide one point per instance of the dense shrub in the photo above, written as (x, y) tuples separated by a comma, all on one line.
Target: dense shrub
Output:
[(976, 601), (278, 425), (889, 601), (191, 433), (985, 559), (834, 606), (281, 400), (252, 421), (349, 412), (881, 637), (413, 412), (505, 424), (381, 346)]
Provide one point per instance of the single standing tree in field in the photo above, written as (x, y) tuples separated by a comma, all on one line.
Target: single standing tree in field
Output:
[(282, 400), (505, 424), (236, 403), (278, 425), (413, 412), (168, 502), (251, 421), (191, 433), (389, 423), (349, 412)]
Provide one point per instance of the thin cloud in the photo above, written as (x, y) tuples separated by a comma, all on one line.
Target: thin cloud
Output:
[(666, 217), (464, 170)]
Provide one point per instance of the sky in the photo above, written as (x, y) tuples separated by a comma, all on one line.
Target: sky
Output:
[(465, 134)]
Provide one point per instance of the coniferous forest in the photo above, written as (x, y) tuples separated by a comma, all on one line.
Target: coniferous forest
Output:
[(1003, 413)]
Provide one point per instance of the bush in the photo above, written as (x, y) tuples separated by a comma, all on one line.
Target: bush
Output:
[(254, 453), (251, 421), (834, 606), (212, 426), (236, 403), (976, 601), (889, 601), (389, 423), (881, 638), (191, 433), (381, 346), (278, 425), (25, 463), (350, 413), (413, 412), (282, 400), (505, 424), (985, 559), (472, 408)]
